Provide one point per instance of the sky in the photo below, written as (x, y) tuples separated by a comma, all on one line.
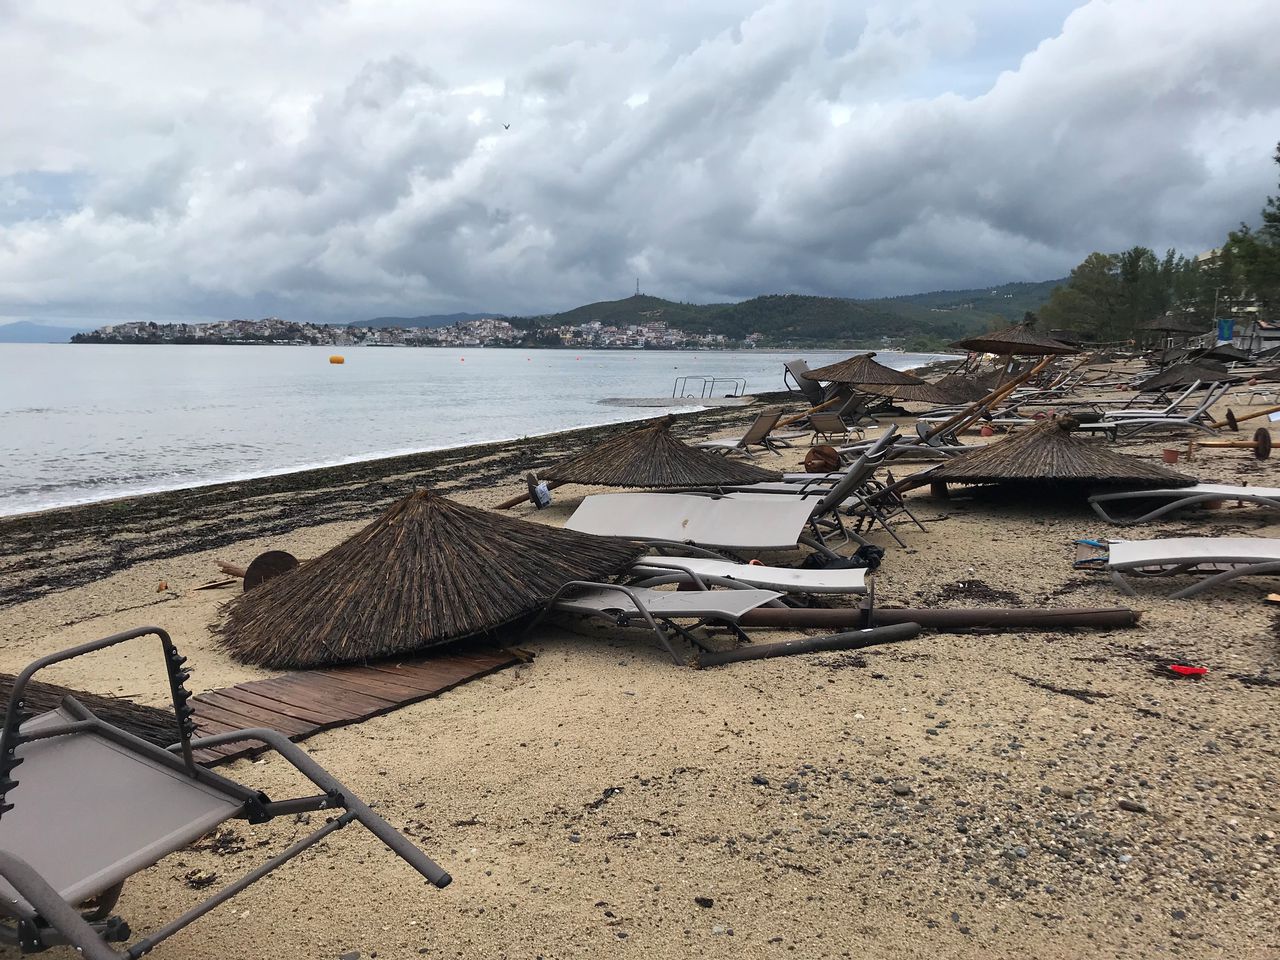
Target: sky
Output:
[(335, 161)]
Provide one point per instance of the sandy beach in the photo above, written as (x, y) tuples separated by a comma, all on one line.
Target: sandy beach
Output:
[(957, 795)]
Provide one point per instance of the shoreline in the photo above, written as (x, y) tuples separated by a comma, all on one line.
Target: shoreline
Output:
[(153, 525)]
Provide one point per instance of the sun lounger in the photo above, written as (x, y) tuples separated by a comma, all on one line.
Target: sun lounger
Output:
[(759, 434), (1197, 419), (1182, 497), (829, 426), (659, 609), (704, 572), (695, 520), (1221, 558), (794, 376), (84, 805)]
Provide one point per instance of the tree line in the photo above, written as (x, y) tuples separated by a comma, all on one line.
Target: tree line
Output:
[(1117, 296)]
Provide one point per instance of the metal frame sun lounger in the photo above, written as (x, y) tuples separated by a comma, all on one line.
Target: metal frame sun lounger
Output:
[(697, 521), (1180, 498), (659, 609), (704, 573), (1222, 558), (1197, 419), (759, 434), (84, 805)]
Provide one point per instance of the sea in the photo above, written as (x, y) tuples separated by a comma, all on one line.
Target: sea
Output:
[(83, 423)]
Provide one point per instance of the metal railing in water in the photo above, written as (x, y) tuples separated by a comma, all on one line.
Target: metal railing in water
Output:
[(702, 387)]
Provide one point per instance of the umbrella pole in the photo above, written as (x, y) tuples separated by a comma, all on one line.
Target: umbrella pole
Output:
[(821, 406), (972, 412), (524, 497)]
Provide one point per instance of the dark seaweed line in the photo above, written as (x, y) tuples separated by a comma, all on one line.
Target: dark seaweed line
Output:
[(60, 549)]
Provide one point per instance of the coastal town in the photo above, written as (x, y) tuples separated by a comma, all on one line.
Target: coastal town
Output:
[(484, 332)]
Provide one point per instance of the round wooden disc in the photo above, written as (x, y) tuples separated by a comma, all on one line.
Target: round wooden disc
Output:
[(1262, 443), (822, 459), (1231, 421), (268, 565)]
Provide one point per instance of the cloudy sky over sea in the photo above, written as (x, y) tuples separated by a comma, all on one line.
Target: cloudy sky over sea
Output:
[(340, 160)]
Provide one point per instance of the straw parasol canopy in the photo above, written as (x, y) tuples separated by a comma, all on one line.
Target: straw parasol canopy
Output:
[(1185, 374), (649, 456), (861, 369), (151, 724), (961, 389), (1049, 453), (1173, 324), (864, 374), (1016, 341), (428, 571)]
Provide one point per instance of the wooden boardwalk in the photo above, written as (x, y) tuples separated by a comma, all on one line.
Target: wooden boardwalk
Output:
[(304, 703)]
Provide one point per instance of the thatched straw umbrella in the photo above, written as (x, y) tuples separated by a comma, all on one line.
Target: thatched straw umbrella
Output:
[(1049, 453), (1016, 341), (649, 456), (1185, 374), (428, 571), (961, 389), (862, 373), (151, 724)]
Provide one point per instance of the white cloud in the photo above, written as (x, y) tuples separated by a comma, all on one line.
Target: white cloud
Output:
[(350, 159)]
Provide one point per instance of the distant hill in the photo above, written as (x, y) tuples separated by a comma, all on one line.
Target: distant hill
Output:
[(434, 320), (24, 331), (923, 318)]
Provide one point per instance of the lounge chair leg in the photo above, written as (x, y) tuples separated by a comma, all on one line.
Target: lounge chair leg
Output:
[(1122, 583), (50, 906)]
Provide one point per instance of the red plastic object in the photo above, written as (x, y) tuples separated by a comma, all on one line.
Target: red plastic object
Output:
[(1185, 671)]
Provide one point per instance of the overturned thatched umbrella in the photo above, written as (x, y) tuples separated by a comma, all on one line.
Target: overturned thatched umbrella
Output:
[(649, 456), (428, 571), (1050, 453), (961, 389), (1185, 374), (1016, 341), (150, 723)]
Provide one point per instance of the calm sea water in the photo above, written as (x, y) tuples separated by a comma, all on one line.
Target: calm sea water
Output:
[(91, 422)]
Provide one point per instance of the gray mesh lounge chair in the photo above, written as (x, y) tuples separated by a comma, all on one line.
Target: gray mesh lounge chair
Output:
[(1222, 558), (705, 572), (793, 372), (85, 805), (829, 426), (659, 609), (1197, 419), (759, 434), (1167, 501)]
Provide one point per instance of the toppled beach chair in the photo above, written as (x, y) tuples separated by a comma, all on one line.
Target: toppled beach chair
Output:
[(705, 573), (795, 377), (696, 522), (659, 609), (85, 805), (1180, 498), (1220, 559)]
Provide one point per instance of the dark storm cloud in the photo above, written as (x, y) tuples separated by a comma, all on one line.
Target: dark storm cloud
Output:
[(231, 160)]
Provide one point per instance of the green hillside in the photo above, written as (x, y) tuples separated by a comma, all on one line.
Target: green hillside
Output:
[(921, 321)]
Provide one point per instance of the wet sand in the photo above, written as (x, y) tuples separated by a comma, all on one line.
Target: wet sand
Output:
[(954, 795)]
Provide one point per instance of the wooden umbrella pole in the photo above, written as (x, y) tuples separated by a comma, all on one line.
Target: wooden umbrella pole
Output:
[(973, 411), (1233, 419), (524, 497), (821, 406)]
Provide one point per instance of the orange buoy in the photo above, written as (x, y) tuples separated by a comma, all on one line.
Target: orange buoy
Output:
[(335, 359)]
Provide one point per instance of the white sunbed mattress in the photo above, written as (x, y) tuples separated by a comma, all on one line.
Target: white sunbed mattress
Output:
[(765, 577)]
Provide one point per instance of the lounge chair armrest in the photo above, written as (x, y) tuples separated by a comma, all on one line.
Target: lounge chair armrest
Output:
[(343, 797), (15, 715)]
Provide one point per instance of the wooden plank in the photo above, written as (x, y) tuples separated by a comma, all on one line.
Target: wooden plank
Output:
[(253, 716), (378, 684), (316, 715), (316, 691), (292, 699), (286, 725)]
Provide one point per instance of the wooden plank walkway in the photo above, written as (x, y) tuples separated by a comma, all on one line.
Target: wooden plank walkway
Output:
[(304, 703)]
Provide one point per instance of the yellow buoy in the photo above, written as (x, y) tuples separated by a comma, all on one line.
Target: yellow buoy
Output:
[(337, 359)]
